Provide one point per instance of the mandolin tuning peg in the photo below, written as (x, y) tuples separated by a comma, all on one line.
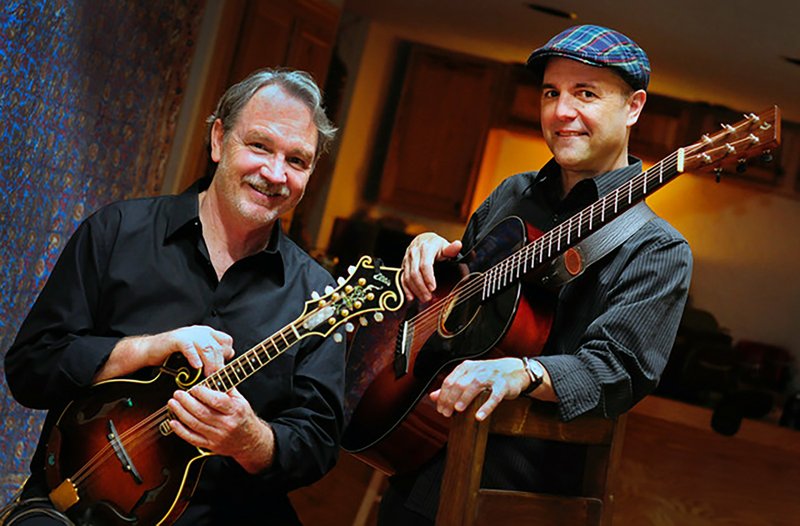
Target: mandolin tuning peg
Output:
[(766, 156), (717, 174), (349, 327), (328, 289), (314, 295), (351, 270), (337, 337), (741, 166), (363, 321), (340, 280)]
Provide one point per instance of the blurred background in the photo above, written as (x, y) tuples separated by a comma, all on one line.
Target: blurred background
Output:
[(104, 100)]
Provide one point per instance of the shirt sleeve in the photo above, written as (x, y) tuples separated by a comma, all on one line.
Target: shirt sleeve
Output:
[(307, 435), (624, 350), (308, 427), (55, 353)]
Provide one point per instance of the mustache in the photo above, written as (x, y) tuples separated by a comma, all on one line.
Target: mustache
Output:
[(267, 188)]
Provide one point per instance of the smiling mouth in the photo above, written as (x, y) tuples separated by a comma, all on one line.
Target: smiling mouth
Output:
[(270, 190)]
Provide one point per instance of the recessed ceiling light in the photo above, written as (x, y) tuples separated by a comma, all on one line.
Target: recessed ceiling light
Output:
[(552, 11)]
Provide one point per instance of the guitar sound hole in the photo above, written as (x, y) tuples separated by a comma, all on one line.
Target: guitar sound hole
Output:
[(461, 307)]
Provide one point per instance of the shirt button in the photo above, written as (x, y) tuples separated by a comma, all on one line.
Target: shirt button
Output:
[(213, 313)]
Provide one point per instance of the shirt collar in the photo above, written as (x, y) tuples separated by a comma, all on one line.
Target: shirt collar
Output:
[(602, 184), (185, 212)]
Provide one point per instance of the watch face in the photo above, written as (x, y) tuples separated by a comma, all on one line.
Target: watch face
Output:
[(537, 369)]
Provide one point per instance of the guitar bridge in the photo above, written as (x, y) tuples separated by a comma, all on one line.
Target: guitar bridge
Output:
[(402, 349)]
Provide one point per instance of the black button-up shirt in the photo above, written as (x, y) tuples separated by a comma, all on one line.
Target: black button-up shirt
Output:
[(141, 267)]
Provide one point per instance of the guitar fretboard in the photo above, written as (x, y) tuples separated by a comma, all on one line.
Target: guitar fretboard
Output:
[(567, 234)]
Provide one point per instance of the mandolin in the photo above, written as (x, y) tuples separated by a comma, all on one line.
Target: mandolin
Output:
[(112, 457), (479, 308)]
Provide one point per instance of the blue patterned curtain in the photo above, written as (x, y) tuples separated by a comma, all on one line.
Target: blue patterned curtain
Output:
[(89, 97)]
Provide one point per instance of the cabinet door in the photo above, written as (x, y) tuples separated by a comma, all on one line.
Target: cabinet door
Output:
[(297, 34), (439, 132), (256, 34)]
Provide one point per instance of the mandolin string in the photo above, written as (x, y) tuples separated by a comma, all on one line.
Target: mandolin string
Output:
[(428, 316), (132, 438)]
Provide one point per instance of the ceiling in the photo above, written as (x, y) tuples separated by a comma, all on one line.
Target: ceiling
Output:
[(723, 52)]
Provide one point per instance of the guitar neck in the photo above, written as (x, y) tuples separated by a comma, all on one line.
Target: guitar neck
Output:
[(569, 233)]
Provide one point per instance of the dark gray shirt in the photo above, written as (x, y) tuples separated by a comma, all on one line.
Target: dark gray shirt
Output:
[(614, 325), (612, 333)]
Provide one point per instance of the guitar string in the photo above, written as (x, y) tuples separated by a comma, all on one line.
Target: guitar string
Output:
[(432, 310), (428, 317), (527, 254)]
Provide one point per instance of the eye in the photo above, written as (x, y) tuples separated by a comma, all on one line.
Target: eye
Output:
[(586, 94), (298, 162), (261, 147), (549, 94)]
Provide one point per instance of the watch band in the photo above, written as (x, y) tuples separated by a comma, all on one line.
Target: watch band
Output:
[(536, 377)]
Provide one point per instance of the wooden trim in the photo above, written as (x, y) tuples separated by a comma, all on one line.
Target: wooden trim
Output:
[(213, 85)]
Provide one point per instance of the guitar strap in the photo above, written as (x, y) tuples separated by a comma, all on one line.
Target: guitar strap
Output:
[(577, 259)]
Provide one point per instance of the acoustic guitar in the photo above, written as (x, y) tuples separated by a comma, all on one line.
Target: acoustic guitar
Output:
[(112, 457), (479, 309)]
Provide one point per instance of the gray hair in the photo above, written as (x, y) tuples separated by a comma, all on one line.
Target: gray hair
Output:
[(298, 84)]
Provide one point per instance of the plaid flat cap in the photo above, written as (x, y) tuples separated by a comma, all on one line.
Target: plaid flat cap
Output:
[(597, 46)]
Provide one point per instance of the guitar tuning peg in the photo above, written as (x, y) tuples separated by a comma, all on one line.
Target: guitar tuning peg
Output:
[(766, 156), (328, 289), (351, 270), (340, 280), (314, 295), (378, 317), (741, 166), (349, 327), (337, 337), (363, 321)]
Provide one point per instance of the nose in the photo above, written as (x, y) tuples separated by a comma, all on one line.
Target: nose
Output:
[(274, 169), (565, 107)]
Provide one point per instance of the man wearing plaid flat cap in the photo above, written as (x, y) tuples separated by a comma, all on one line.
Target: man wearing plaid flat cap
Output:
[(614, 324)]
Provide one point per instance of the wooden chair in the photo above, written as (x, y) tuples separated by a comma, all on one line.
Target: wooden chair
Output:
[(463, 502)]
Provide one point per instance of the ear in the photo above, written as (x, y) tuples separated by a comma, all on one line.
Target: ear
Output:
[(217, 135), (635, 106)]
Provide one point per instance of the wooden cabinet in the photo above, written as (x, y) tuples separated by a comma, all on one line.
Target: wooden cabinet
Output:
[(297, 34), (254, 34), (438, 132), (520, 106)]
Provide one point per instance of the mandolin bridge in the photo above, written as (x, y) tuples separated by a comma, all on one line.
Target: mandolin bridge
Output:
[(122, 453)]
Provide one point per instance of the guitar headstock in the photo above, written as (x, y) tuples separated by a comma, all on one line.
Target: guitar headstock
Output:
[(369, 288), (731, 146)]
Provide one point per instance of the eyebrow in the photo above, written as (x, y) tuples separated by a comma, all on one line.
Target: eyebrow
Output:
[(294, 150), (578, 85)]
